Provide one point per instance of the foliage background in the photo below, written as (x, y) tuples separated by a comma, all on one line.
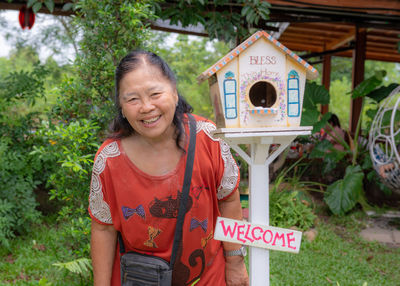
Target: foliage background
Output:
[(54, 114)]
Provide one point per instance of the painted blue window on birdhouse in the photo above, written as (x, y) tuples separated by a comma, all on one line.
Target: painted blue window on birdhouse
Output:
[(230, 96), (293, 91)]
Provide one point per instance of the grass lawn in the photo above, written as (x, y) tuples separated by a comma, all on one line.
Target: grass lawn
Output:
[(336, 257), (29, 259)]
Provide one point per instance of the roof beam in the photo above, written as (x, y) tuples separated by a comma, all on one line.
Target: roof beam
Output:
[(166, 26), (324, 53), (346, 38)]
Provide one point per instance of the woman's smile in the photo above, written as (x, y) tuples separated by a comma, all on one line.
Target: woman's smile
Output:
[(151, 120), (148, 101)]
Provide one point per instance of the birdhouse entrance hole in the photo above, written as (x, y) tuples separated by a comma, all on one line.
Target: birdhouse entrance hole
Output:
[(262, 94)]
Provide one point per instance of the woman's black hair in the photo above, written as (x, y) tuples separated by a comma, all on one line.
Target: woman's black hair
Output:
[(334, 120), (120, 127)]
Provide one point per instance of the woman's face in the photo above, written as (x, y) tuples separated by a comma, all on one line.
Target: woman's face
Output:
[(148, 101)]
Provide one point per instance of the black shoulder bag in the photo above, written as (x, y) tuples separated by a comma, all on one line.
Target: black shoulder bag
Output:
[(144, 270)]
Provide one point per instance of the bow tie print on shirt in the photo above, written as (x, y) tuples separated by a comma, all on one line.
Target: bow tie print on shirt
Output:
[(194, 223), (128, 212)]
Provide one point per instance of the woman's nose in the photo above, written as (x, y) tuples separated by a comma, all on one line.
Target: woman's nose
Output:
[(146, 106)]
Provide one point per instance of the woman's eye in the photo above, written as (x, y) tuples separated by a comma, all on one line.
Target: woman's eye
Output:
[(156, 94)]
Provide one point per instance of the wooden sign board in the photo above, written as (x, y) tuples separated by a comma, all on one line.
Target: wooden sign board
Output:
[(256, 235)]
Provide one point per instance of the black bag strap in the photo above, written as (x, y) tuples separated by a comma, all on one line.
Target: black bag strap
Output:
[(184, 196), (185, 189)]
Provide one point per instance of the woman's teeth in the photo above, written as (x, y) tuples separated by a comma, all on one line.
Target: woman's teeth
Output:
[(151, 120)]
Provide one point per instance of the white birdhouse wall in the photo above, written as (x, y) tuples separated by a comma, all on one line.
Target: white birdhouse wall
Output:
[(253, 88)]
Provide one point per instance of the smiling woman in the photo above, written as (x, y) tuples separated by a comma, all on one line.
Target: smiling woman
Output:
[(137, 183), (148, 101)]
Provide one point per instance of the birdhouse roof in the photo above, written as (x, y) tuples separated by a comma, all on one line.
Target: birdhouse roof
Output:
[(312, 73)]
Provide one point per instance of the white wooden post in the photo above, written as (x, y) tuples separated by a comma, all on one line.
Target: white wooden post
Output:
[(259, 211), (259, 160)]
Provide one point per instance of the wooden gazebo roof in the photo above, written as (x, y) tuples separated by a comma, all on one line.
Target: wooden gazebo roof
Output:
[(322, 27)]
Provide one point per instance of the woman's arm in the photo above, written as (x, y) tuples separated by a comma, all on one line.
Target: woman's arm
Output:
[(103, 244), (235, 269)]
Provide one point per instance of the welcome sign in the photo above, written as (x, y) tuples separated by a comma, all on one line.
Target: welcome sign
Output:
[(262, 236)]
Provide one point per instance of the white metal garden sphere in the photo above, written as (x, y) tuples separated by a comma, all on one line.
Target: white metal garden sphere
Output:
[(384, 139)]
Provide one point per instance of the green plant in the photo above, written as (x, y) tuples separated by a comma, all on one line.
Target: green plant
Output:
[(223, 20), (44, 282), (78, 234), (19, 175), (67, 151), (17, 200), (181, 56), (29, 259), (289, 202), (72, 147), (80, 266), (343, 194)]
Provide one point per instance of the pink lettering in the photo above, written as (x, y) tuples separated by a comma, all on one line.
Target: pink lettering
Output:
[(247, 233), (288, 235), (253, 60), (239, 232), (227, 230), (262, 60), (253, 232), (270, 233), (277, 237)]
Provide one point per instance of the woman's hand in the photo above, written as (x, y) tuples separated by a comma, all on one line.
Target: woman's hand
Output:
[(236, 272)]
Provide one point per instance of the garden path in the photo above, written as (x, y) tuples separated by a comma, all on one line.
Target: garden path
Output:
[(383, 228)]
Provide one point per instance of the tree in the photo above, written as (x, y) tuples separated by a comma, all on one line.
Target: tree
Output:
[(109, 29), (188, 58), (227, 20)]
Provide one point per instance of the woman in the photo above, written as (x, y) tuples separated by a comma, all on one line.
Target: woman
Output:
[(336, 135), (138, 173)]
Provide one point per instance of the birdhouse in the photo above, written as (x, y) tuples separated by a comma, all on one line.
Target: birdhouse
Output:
[(260, 83)]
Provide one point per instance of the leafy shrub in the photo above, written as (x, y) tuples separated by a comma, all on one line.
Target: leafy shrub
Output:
[(17, 199), (353, 162), (8, 219), (288, 209), (77, 233), (19, 175), (81, 266), (70, 148), (289, 202)]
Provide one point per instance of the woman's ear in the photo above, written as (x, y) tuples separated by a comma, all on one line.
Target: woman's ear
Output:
[(176, 98)]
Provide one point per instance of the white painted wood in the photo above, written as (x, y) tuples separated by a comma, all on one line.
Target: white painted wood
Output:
[(257, 235), (258, 214), (284, 144), (241, 152), (259, 139), (263, 129)]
